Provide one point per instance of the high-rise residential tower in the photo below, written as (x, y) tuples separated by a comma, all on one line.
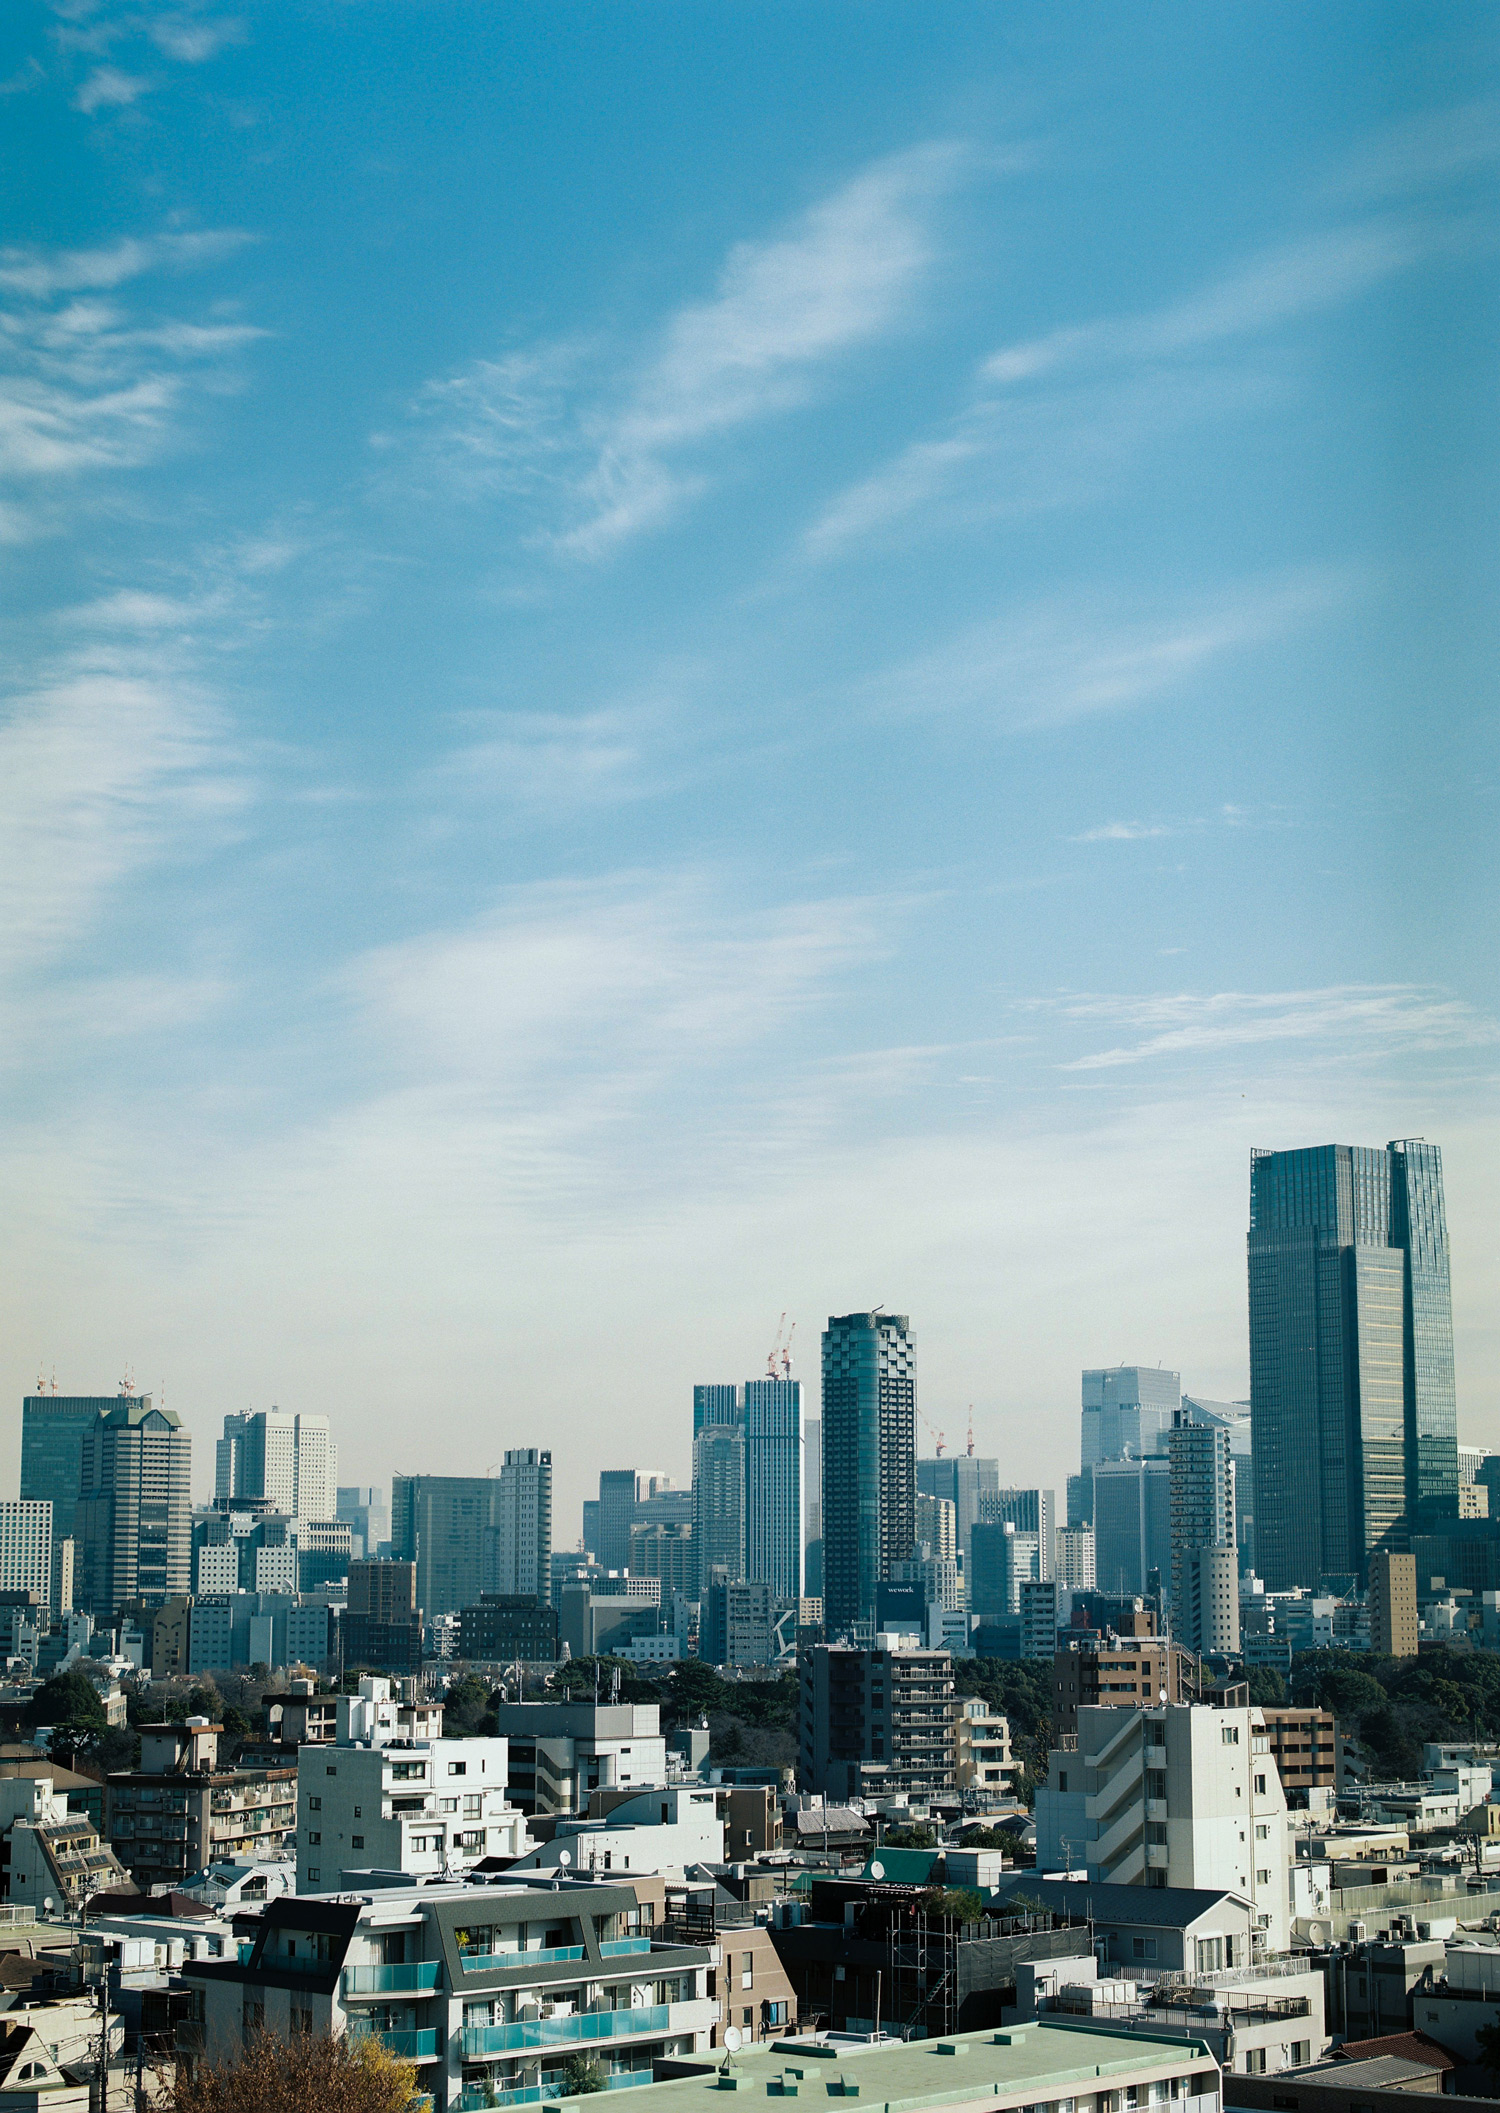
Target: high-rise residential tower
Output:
[(135, 1509), (869, 1460), (1352, 1403), (1202, 1497), (773, 1485), (617, 1494), (445, 1524), (523, 1520)]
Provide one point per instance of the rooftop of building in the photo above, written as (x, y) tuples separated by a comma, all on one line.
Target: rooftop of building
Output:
[(1167, 1907), (1018, 2062)]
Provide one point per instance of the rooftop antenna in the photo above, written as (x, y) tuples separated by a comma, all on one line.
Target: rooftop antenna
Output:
[(786, 1352)]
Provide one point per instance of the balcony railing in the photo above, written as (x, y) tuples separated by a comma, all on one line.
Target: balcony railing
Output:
[(617, 1947), (414, 1977), (480, 2097), (407, 2046), (579, 2029), (485, 1962)]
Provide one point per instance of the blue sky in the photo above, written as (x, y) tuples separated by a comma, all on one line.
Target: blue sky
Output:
[(665, 663)]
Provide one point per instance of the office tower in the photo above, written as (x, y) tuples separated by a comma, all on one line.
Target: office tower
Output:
[(53, 1428), (446, 1525), (961, 1480), (665, 1506), (773, 1485), (1044, 1608), (1393, 1604), (135, 1509), (591, 1526), (719, 1501), (1132, 1524), (1081, 1498), (365, 1512), (1031, 1510), (1353, 1418), (1074, 1558), (287, 1462), (869, 1459), (1003, 1558), (1127, 1409), (1201, 1474), (383, 1622), (523, 1519), (26, 1549), (617, 1489), (719, 1403)]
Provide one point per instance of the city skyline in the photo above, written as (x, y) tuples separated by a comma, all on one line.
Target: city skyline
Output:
[(657, 676)]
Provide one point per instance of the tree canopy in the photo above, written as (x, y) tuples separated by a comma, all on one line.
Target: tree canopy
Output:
[(287, 2076)]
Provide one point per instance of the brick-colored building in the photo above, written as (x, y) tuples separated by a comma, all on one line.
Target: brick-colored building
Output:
[(1304, 1746), (1134, 1672)]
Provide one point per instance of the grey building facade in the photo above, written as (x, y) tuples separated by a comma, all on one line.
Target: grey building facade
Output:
[(134, 1522), (448, 1526), (1352, 1402), (773, 1485), (869, 1460), (719, 1502), (1202, 1498), (963, 1481)]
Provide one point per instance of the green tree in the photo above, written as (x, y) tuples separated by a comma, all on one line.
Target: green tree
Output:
[(69, 1702), (581, 2074), (952, 1904), (1266, 1686), (466, 1704), (918, 1835)]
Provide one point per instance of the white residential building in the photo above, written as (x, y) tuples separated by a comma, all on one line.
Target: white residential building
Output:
[(1179, 1795), (391, 1794), (660, 1830), (561, 1751), (1075, 1557), (523, 1524), (26, 1548)]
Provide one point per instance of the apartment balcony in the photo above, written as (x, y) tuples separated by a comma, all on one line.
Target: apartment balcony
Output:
[(1156, 1808), (589, 2027), (486, 1962), (414, 1977), (481, 2097), (406, 2046), (1157, 1856)]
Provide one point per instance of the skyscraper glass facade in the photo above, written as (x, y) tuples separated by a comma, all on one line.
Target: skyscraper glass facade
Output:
[(53, 1428), (773, 1485), (869, 1460), (1354, 1419)]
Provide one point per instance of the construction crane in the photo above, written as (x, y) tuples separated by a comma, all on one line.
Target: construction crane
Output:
[(774, 1354), (969, 1448), (938, 1439), (786, 1352)]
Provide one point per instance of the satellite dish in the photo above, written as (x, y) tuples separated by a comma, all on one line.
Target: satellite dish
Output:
[(734, 2039), (565, 1856), (47, 1905), (877, 1870)]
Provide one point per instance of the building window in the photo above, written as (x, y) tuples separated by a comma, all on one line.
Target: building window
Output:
[(747, 1969), (1230, 1734), (1260, 1786), (315, 1804), (313, 1874), (314, 1841), (356, 1841), (458, 1768)]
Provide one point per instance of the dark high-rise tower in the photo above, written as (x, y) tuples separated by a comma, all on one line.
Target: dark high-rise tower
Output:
[(1354, 1422), (869, 1460)]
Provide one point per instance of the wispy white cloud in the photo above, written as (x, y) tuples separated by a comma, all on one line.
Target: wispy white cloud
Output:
[(107, 88), (194, 38), (87, 384), (1048, 665), (1421, 152), (1376, 1019), (1123, 832), (1048, 418), (622, 452)]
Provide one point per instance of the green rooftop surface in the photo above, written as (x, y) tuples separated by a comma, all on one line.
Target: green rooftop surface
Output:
[(1032, 2062)]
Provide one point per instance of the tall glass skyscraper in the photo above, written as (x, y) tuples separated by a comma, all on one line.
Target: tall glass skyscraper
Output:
[(773, 1485), (869, 1460), (53, 1428), (1353, 1417)]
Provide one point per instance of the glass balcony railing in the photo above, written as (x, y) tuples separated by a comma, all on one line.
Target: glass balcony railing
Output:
[(617, 1947), (416, 1976), (579, 2030), (479, 2098), (407, 2046), (485, 1962)]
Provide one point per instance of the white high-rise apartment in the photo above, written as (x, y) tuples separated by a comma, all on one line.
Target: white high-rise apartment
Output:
[(523, 1523), (26, 1548), (1075, 1557), (1179, 1795)]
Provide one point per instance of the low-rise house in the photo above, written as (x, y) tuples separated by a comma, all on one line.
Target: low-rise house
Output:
[(1140, 1929), (31, 2077), (488, 1989), (754, 1992), (180, 1811)]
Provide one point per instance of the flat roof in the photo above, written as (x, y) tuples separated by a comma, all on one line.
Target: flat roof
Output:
[(1020, 2062)]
